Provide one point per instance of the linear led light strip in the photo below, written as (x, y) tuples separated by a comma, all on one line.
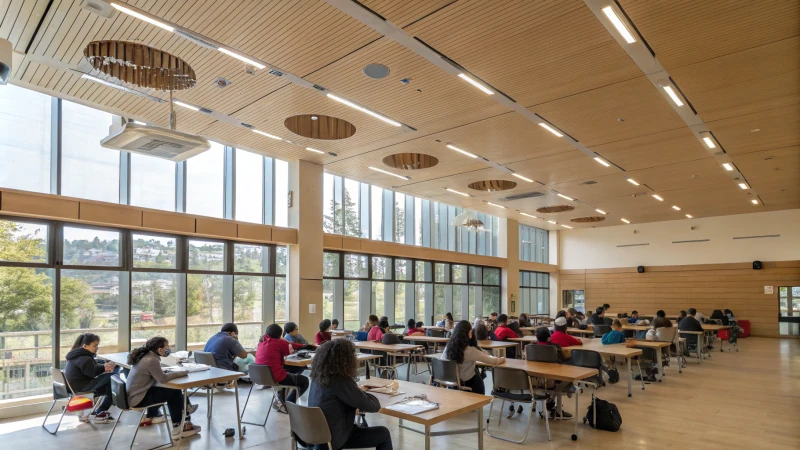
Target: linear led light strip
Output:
[(390, 173), (211, 44)]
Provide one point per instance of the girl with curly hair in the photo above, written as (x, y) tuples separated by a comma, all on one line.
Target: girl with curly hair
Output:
[(463, 349), (334, 390)]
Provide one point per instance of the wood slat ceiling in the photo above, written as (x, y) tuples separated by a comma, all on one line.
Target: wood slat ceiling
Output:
[(736, 61)]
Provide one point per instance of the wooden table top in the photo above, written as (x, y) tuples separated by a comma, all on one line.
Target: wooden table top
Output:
[(191, 380), (369, 345), (490, 345), (523, 339), (305, 362), (342, 331), (609, 350), (651, 344), (452, 403), (579, 331), (715, 327), (433, 327), (550, 371), (426, 339)]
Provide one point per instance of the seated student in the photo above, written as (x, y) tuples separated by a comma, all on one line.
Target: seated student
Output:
[(225, 347), (730, 315), (335, 324), (463, 349), (335, 392), (272, 351), (661, 320), (718, 315), (606, 306), (503, 333), (84, 374), (598, 318), (560, 336), (481, 332), (582, 319), (324, 333), (291, 332), (376, 333), (681, 316), (524, 320), (491, 322), (412, 330), (514, 325), (372, 320), (615, 336), (543, 338), (690, 323), (634, 317), (447, 323), (141, 382), (700, 317)]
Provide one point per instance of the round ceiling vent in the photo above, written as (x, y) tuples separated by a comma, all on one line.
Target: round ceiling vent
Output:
[(410, 161), (589, 219), (317, 126), (555, 209), (492, 185), (376, 71)]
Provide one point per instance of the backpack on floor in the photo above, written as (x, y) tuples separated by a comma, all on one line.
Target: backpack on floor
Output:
[(608, 417)]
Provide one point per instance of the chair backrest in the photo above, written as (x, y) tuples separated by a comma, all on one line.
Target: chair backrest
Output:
[(308, 424), (541, 353), (600, 330), (435, 333), (361, 335), (61, 387), (588, 358), (511, 379), (261, 375), (445, 372), (667, 334), (206, 358), (119, 393)]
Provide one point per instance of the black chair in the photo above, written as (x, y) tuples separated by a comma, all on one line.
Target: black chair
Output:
[(590, 359), (542, 353), (119, 395), (445, 373), (436, 333), (600, 330), (648, 354), (208, 359), (506, 381)]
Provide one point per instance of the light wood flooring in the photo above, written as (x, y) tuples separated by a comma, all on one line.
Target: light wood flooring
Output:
[(747, 400)]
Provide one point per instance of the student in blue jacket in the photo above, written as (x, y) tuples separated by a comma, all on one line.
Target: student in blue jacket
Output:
[(615, 336)]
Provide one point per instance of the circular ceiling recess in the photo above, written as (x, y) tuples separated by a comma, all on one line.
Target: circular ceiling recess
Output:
[(410, 161), (589, 219), (492, 185), (317, 126), (555, 209), (376, 71)]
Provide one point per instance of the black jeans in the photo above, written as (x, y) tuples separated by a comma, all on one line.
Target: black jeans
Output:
[(101, 385), (293, 379), (173, 398), (370, 437), (476, 384), (294, 369)]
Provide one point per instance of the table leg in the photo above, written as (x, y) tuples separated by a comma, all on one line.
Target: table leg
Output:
[(480, 428), (574, 436), (659, 360), (427, 437), (630, 377), (238, 412), (408, 372), (183, 418), (366, 365)]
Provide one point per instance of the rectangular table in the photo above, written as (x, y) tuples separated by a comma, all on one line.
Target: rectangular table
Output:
[(587, 332), (436, 340), (452, 403), (192, 380), (388, 348), (610, 350), (496, 346), (522, 342), (362, 357)]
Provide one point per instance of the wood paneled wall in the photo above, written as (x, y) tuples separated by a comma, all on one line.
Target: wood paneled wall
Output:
[(705, 287)]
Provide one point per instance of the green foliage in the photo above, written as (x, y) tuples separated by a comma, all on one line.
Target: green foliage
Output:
[(25, 293)]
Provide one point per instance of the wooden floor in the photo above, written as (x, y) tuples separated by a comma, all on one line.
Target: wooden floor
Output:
[(747, 400)]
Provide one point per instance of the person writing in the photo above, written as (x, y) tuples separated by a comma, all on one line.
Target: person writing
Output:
[(324, 333), (335, 392), (225, 347), (463, 349), (272, 351), (84, 374)]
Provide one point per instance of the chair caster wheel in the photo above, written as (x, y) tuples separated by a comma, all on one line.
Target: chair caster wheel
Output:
[(244, 431), (574, 437), (630, 395)]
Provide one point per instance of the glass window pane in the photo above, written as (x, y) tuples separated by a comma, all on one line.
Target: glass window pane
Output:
[(152, 182), (402, 269), (491, 299), (438, 302), (281, 300), (154, 252), (420, 298), (247, 308), (89, 301), (206, 255), (442, 273), (355, 266), (204, 294), (281, 193), (351, 297), (377, 212), (491, 276), (91, 247), (250, 258), (327, 298), (281, 260), (330, 265), (459, 275), (471, 304), (399, 217), (24, 139), (378, 300), (329, 205), (249, 187), (27, 316), (418, 221), (352, 225), (88, 170), (400, 300), (154, 300), (422, 271), (457, 303), (381, 268), (205, 182), (23, 242), (475, 275)]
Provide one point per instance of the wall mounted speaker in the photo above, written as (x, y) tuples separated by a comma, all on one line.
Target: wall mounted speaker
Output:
[(757, 265), (640, 269)]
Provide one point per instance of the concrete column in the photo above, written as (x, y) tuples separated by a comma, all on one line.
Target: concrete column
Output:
[(554, 239), (508, 247), (305, 258)]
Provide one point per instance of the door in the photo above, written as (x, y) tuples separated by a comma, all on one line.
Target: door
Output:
[(573, 299), (789, 310)]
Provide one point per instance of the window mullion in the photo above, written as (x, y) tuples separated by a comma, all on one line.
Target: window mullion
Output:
[(229, 183), (55, 146)]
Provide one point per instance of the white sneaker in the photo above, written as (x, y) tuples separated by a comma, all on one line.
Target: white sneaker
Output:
[(192, 409), (157, 419), (189, 429)]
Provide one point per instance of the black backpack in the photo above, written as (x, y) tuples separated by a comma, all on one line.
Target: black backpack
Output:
[(608, 417)]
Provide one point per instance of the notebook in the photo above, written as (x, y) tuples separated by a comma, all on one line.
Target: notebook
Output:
[(188, 367), (414, 405)]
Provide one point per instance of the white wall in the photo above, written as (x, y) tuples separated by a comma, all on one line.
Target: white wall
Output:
[(596, 248)]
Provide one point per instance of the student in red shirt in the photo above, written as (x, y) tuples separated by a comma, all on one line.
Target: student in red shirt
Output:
[(503, 332), (376, 333), (272, 351), (324, 333), (560, 336), (413, 329)]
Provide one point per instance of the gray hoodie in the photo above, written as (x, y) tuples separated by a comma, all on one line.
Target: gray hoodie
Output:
[(144, 375)]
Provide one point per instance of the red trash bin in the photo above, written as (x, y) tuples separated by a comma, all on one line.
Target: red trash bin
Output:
[(723, 334), (745, 326)]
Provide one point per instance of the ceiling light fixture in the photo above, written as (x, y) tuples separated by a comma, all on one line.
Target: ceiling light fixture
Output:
[(658, 197), (601, 211), (566, 226), (463, 152), (139, 16), (550, 129), (475, 83), (457, 192), (271, 136), (522, 178), (625, 220), (529, 215), (754, 201), (564, 196), (619, 25), (600, 160), (690, 216), (727, 167), (365, 110), (743, 186), (315, 150), (632, 181), (709, 142), (186, 105), (676, 208), (390, 173), (242, 58), (673, 95), (550, 221), (495, 204)]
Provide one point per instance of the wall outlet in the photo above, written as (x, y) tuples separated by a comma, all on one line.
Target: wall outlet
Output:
[(312, 308)]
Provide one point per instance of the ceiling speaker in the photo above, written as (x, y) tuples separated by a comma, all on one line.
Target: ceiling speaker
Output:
[(640, 269), (757, 265)]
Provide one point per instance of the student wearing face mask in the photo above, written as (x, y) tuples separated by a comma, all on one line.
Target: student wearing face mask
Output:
[(146, 371)]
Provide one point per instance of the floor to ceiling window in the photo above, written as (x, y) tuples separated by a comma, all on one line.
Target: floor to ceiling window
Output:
[(534, 292), (533, 244), (88, 170), (25, 147)]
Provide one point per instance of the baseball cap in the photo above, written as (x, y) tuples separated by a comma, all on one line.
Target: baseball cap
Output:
[(561, 321)]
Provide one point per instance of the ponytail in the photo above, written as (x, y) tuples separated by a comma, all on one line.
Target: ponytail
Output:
[(85, 339), (152, 345)]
